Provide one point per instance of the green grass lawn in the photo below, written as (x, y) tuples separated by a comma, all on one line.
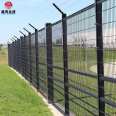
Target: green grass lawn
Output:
[(3, 56), (16, 97)]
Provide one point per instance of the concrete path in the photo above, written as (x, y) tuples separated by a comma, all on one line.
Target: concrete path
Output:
[(109, 69)]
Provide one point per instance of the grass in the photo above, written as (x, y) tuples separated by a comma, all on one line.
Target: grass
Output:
[(3, 56), (16, 97)]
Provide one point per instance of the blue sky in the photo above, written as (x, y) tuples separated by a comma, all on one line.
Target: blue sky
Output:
[(37, 12)]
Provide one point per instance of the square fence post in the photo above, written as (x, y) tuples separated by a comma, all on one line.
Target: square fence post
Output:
[(100, 63), (24, 55), (13, 58), (11, 55), (30, 56), (20, 55), (17, 55), (49, 61), (21, 60), (16, 50), (65, 60), (37, 56)]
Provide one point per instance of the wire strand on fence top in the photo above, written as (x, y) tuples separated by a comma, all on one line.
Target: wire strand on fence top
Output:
[(22, 33), (32, 26), (16, 37), (26, 30)]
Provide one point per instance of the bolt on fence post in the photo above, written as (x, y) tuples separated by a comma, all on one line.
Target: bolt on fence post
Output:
[(49, 61), (65, 58), (100, 63)]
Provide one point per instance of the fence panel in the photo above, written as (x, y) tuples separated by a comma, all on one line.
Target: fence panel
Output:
[(42, 62), (82, 55), (109, 43), (27, 58), (58, 74)]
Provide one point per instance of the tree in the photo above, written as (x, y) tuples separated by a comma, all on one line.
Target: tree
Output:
[(1, 45)]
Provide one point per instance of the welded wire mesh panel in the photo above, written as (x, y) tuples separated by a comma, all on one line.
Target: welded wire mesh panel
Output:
[(33, 60), (57, 46), (109, 41), (42, 62), (82, 58)]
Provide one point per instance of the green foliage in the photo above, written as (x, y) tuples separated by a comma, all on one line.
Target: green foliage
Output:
[(1, 45)]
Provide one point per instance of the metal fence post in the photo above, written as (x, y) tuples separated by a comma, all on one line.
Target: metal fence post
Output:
[(21, 53), (16, 51), (30, 58), (11, 54), (13, 59), (49, 61), (37, 56), (18, 55), (15, 55), (24, 56), (65, 58), (100, 63)]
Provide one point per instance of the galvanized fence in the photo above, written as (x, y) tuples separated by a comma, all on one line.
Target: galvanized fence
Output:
[(73, 61)]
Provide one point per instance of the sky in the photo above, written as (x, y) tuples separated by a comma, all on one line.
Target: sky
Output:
[(36, 12)]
